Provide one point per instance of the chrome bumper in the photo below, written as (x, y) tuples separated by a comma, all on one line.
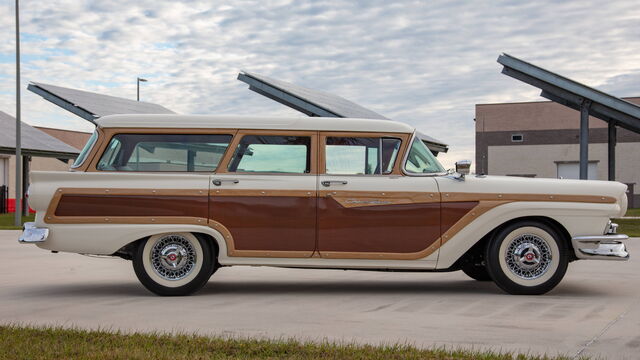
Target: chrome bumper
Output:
[(32, 234), (601, 247)]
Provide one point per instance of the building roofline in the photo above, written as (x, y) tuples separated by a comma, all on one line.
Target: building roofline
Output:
[(67, 130), (542, 101)]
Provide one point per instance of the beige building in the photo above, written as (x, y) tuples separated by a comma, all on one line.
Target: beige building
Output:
[(541, 139)]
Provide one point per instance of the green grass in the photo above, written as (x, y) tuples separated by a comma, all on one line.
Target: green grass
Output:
[(7, 221), (629, 227), (56, 343), (633, 212)]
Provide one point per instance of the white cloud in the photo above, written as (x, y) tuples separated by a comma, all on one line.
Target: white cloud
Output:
[(426, 63)]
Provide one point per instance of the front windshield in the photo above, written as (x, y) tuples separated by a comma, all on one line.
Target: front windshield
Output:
[(85, 151), (420, 159)]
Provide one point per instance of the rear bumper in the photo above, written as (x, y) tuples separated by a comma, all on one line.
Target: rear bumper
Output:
[(32, 234), (601, 247)]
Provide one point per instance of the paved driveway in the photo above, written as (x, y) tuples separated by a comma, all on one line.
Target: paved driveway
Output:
[(594, 311)]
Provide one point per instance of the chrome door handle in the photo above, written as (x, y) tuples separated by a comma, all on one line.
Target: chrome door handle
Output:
[(218, 182), (337, 182)]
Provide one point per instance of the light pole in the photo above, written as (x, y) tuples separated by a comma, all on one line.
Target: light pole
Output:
[(139, 80), (18, 206)]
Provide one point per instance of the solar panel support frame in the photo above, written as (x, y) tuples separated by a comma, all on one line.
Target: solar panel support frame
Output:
[(589, 101)]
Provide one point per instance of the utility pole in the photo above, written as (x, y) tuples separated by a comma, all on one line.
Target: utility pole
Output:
[(138, 82), (18, 207)]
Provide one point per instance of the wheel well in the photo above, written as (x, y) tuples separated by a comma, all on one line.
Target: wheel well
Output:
[(476, 252), (211, 241), (126, 252)]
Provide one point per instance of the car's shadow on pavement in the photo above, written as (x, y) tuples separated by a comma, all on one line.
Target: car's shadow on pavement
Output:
[(300, 288)]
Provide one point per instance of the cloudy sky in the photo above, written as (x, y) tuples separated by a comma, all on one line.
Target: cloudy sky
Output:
[(423, 62)]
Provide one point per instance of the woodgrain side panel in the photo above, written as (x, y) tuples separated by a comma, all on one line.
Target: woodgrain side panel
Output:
[(149, 206), (268, 223), (390, 228)]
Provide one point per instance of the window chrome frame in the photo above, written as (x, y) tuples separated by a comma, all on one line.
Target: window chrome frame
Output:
[(406, 157), (89, 150)]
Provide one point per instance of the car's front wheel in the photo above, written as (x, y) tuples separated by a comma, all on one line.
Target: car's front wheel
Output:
[(527, 258), (174, 264)]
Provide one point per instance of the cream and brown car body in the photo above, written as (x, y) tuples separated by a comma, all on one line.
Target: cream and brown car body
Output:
[(392, 219)]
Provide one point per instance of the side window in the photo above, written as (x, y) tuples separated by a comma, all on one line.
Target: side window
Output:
[(273, 154), (163, 152), (361, 155)]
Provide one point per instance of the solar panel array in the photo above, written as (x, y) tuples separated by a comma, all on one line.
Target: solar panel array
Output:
[(99, 104), (319, 103), (34, 141), (337, 105)]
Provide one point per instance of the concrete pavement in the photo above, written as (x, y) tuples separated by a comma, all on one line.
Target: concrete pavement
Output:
[(594, 311)]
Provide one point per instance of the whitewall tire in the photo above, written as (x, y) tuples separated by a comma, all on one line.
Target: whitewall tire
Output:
[(527, 258), (174, 264)]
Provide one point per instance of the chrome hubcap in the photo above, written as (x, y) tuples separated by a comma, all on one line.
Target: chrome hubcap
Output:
[(173, 257), (528, 256)]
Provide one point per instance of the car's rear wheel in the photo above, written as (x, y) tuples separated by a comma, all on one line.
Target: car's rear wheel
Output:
[(527, 258), (174, 264)]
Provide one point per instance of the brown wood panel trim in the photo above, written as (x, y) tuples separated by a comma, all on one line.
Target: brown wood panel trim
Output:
[(224, 162), (351, 199), (232, 251), (243, 192), (107, 133), (51, 218), (396, 167), (455, 197), (488, 202), (469, 217), (478, 210)]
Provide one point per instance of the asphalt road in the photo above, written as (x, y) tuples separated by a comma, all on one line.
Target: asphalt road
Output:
[(594, 311)]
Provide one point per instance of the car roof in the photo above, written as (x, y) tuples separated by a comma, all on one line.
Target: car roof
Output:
[(252, 122)]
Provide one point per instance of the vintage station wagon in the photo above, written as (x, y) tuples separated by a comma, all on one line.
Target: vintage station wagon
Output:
[(181, 196)]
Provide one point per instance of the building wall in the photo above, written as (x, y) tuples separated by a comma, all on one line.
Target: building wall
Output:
[(77, 139), (36, 164), (550, 134)]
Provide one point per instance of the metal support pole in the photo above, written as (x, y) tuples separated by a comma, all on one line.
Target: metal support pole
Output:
[(138, 80), (611, 150), (25, 184), (18, 209), (584, 139)]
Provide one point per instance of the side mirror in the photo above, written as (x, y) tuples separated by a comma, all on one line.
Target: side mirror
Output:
[(463, 167)]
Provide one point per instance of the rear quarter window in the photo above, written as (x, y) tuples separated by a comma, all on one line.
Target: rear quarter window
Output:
[(85, 150), (164, 152)]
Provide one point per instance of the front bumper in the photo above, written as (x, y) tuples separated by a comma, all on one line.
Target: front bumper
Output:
[(32, 234), (601, 247)]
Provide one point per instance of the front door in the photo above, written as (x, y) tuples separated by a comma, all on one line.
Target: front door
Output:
[(265, 196), (367, 208)]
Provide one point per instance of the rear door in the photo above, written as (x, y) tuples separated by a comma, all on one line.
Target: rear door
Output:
[(367, 209), (265, 196)]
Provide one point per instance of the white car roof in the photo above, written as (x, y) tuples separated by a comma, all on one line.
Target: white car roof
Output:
[(252, 122)]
